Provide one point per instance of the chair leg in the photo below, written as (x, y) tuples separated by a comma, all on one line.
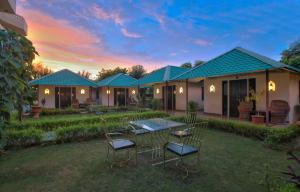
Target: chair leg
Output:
[(136, 153), (107, 153), (164, 156)]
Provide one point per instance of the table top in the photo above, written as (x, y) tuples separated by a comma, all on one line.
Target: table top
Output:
[(156, 124)]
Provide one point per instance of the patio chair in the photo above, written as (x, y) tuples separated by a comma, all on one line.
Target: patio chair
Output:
[(117, 142), (191, 145), (190, 120), (279, 110)]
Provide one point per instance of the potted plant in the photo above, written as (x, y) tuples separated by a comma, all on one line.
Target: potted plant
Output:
[(297, 114), (36, 110), (257, 118)]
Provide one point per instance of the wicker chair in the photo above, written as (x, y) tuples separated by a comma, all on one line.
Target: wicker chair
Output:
[(279, 110)]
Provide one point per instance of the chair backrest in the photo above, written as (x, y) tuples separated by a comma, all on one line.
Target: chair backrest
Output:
[(190, 118), (279, 106), (196, 134)]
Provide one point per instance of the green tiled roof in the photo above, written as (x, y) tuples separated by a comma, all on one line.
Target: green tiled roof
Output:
[(162, 75), (63, 77), (118, 80), (236, 61)]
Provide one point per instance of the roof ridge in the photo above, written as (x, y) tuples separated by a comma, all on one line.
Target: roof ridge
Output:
[(259, 57), (196, 67), (167, 73)]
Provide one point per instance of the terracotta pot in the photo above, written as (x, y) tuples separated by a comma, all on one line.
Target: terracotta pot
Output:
[(244, 109), (258, 119), (298, 123), (36, 110)]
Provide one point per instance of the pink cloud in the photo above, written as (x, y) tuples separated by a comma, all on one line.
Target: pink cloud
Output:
[(202, 42), (65, 45), (100, 13), (126, 33)]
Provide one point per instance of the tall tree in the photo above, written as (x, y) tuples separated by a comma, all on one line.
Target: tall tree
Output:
[(109, 72), (198, 62), (186, 65), (137, 71), (16, 56), (84, 74), (40, 70), (291, 56)]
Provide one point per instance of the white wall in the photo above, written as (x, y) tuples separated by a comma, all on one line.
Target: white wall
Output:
[(193, 95), (213, 101), (103, 97)]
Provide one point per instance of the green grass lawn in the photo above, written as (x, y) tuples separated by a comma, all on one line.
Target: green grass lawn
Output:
[(228, 163)]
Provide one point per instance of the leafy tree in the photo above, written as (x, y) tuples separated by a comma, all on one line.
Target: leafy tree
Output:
[(40, 70), (137, 71), (291, 56), (198, 62), (84, 74), (187, 65), (104, 73), (16, 56)]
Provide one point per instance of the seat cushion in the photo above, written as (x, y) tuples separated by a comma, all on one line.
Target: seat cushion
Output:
[(139, 131), (118, 144), (180, 149), (181, 134)]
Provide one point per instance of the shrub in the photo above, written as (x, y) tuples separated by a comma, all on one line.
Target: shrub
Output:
[(268, 134), (26, 137), (47, 112), (156, 104), (288, 188), (77, 132), (192, 106), (50, 124)]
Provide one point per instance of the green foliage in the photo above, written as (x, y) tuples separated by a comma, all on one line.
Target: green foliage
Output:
[(104, 73), (156, 104), (50, 124), (25, 137), (192, 106), (47, 112), (270, 135), (291, 56), (198, 62), (137, 71), (187, 65), (79, 132), (288, 188)]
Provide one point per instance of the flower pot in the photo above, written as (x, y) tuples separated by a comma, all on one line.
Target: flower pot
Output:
[(36, 110), (244, 109), (258, 119), (298, 123)]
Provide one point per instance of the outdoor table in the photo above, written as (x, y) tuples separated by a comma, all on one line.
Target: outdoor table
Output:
[(157, 128)]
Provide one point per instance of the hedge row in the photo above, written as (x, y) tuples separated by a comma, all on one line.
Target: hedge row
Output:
[(26, 137), (247, 129), (101, 108), (47, 112), (50, 124)]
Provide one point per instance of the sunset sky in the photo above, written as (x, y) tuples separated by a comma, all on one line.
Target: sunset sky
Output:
[(94, 34)]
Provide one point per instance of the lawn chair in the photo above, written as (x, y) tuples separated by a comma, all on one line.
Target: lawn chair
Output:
[(190, 120), (117, 142), (190, 145)]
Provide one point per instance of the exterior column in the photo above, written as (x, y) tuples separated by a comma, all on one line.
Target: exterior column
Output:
[(187, 94), (138, 96), (59, 97), (125, 97), (107, 93), (267, 98), (166, 96)]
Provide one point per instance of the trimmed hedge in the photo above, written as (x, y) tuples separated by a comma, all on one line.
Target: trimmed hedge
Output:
[(79, 132), (47, 112), (269, 134), (50, 124), (26, 137)]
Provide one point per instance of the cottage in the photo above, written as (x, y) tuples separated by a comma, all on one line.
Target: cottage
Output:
[(64, 88), (230, 78), (118, 90)]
